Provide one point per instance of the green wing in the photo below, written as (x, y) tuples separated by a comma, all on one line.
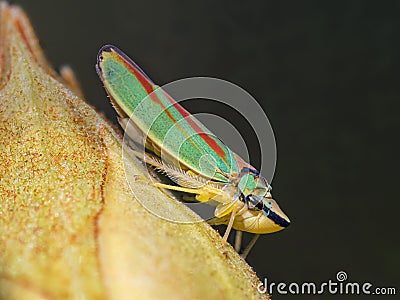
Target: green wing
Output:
[(161, 119)]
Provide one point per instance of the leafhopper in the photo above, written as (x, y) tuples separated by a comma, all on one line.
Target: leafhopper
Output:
[(181, 147)]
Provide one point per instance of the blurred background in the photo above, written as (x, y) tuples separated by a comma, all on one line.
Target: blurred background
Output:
[(327, 76)]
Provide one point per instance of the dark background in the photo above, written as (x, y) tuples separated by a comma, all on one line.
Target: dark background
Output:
[(326, 74)]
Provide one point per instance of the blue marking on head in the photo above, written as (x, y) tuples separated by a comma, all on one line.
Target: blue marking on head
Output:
[(248, 170), (277, 219)]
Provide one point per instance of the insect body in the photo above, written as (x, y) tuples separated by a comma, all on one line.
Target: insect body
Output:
[(185, 150)]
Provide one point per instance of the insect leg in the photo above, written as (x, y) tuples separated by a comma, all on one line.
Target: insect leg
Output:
[(250, 246), (238, 240), (230, 224), (189, 198), (201, 194), (178, 188)]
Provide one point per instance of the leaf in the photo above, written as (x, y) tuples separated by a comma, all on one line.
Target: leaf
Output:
[(70, 225)]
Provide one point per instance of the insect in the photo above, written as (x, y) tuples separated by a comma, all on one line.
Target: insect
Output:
[(181, 147)]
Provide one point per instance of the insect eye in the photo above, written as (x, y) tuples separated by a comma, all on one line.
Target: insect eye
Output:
[(253, 201)]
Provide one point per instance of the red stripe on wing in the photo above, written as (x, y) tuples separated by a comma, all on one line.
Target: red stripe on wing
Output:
[(148, 86)]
